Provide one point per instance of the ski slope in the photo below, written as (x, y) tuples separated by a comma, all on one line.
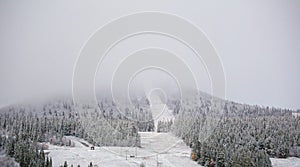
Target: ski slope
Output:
[(160, 111), (157, 149), (162, 148)]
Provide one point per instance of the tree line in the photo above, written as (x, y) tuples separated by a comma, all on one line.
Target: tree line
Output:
[(244, 135)]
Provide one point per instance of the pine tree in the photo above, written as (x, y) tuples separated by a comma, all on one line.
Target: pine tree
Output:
[(221, 160), (47, 162), (65, 164), (50, 162)]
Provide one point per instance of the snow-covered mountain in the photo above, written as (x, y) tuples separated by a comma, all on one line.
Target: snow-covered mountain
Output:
[(213, 130)]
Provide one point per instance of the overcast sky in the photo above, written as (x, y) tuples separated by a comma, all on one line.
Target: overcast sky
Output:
[(257, 41)]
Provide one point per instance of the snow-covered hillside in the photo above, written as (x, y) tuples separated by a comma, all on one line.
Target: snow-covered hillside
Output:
[(156, 148), (288, 162), (160, 111), (162, 148)]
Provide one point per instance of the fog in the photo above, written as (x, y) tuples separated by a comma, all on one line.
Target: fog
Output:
[(257, 41)]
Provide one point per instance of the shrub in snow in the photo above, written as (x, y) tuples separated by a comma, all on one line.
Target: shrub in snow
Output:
[(7, 161), (142, 164), (295, 151), (42, 146)]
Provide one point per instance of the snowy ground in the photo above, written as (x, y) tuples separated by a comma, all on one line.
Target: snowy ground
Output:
[(289, 162), (163, 148), (160, 111), (156, 147)]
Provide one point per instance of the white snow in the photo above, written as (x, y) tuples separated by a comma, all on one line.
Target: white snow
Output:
[(162, 147), (160, 111), (288, 162)]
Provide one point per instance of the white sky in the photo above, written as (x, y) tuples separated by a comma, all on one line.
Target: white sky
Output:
[(257, 41)]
